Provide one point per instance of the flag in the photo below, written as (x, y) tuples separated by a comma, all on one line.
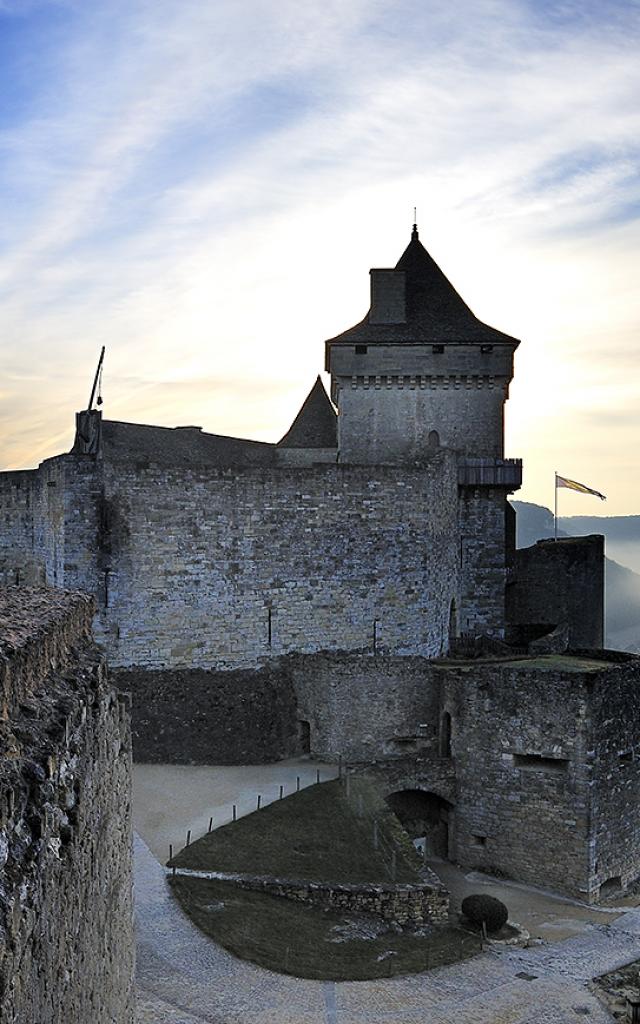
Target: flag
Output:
[(573, 485)]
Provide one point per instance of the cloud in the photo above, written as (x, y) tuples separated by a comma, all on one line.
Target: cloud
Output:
[(203, 188)]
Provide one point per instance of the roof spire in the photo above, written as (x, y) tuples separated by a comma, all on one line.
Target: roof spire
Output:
[(414, 233)]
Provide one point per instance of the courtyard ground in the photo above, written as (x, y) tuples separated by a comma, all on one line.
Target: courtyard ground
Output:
[(184, 978)]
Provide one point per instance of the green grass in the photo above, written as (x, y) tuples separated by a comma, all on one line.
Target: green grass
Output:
[(317, 834), (295, 939)]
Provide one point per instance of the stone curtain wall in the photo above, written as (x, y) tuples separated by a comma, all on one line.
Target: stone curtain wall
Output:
[(65, 827), (558, 582), (18, 563), (51, 525), (614, 760), (222, 568)]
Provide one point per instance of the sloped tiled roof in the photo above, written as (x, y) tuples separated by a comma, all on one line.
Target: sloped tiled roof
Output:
[(316, 425), (435, 312), (180, 446)]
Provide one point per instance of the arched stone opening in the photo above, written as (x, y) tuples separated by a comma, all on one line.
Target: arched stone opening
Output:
[(425, 815), (433, 440)]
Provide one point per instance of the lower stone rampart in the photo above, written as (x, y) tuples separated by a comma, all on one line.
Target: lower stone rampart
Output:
[(66, 955), (193, 716)]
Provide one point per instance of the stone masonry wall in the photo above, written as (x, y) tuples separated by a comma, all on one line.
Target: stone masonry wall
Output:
[(361, 707), (520, 740), (614, 759), (66, 955), (401, 904), (51, 525), (194, 716), (223, 568), (558, 582), (482, 555), (18, 561)]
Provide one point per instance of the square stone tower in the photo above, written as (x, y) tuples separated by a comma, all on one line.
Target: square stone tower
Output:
[(419, 371)]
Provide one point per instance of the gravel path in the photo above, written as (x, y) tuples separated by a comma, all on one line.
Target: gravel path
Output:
[(184, 978)]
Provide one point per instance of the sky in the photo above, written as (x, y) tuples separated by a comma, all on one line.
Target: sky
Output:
[(202, 187)]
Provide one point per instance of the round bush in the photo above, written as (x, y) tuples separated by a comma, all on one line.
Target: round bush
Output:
[(479, 908)]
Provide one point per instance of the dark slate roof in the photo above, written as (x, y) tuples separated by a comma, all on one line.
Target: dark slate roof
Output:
[(180, 446), (435, 311), (316, 425)]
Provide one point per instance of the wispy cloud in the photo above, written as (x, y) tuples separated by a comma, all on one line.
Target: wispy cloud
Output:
[(204, 187)]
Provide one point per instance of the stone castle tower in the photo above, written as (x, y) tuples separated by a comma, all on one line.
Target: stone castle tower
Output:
[(420, 370)]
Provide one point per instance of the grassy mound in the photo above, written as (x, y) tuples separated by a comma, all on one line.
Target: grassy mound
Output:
[(320, 834), (296, 939)]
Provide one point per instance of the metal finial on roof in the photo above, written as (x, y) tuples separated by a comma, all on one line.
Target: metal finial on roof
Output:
[(414, 233)]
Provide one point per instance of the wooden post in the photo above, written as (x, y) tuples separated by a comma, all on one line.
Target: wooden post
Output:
[(259, 799), (170, 851), (317, 775), (297, 783), (210, 823), (281, 792), (234, 812), (188, 837)]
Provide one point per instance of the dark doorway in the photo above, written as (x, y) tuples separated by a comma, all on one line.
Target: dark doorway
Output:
[(304, 736), (424, 814)]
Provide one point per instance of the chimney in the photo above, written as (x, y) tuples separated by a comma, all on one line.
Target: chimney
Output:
[(387, 297)]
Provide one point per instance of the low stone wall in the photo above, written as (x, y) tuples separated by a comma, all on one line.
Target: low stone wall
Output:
[(424, 902), (66, 927)]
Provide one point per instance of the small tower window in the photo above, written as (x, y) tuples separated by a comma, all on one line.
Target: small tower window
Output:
[(361, 350), (438, 349), (445, 735), (486, 348)]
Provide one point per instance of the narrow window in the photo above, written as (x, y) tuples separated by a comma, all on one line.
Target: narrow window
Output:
[(269, 626), (361, 350), (445, 735), (437, 349), (532, 762)]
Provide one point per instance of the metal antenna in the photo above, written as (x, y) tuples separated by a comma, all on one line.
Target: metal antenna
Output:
[(415, 215), (95, 379)]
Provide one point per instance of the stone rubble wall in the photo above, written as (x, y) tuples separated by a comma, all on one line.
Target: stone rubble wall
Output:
[(66, 924), (401, 904)]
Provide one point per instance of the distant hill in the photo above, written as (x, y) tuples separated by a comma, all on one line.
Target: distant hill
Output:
[(622, 584)]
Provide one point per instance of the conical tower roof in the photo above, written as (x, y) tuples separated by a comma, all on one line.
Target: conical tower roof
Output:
[(316, 425), (434, 311)]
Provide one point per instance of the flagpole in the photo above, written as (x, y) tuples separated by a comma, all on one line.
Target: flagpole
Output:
[(555, 507)]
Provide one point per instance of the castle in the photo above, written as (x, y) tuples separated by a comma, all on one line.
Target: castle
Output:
[(321, 594)]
